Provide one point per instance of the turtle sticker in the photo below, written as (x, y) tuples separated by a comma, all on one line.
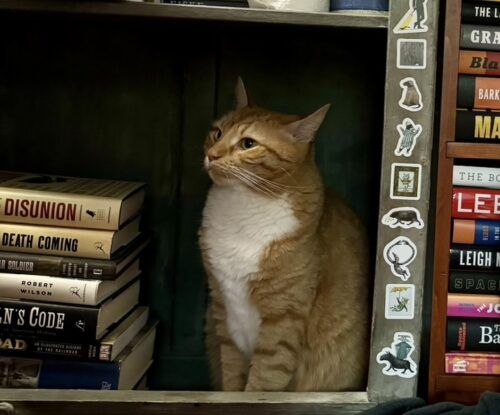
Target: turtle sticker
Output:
[(397, 359)]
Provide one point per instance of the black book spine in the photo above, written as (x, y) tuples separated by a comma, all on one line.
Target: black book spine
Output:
[(480, 12), (20, 263), (478, 126), (475, 335), (49, 321), (466, 91), (474, 283), (474, 258), (480, 37), (20, 346)]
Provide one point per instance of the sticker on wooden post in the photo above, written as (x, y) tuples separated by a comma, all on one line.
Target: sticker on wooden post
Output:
[(411, 97), (399, 301), (399, 254), (414, 18), (397, 359), (408, 134), (411, 54), (403, 217), (406, 180)]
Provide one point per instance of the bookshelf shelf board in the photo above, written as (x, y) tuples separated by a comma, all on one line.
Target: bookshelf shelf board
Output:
[(375, 20), (473, 151)]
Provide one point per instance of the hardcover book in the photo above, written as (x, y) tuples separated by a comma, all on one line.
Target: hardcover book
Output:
[(473, 203), (478, 232), (478, 92), (473, 334), (474, 283), (479, 62), (481, 12), (129, 367), (474, 258), (106, 349), (474, 306), (480, 37), (71, 202), (62, 266), (478, 126), (64, 290), (80, 243), (472, 363), (472, 176), (68, 323)]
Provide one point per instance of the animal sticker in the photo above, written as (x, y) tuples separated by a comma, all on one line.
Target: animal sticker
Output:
[(411, 54), (399, 253), (411, 97), (397, 359), (403, 217), (414, 19), (408, 134), (405, 181), (399, 301)]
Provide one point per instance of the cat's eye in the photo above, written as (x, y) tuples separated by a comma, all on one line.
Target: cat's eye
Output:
[(217, 133), (247, 143)]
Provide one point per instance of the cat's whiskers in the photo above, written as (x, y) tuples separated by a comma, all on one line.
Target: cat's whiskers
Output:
[(275, 185), (252, 182)]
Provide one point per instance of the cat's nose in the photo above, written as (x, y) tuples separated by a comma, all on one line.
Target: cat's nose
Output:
[(212, 157)]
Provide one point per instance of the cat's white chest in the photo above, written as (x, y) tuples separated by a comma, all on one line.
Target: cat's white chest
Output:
[(239, 226)]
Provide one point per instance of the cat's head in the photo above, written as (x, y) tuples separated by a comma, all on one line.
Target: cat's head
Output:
[(252, 145)]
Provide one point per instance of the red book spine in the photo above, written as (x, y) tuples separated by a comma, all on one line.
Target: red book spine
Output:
[(470, 203), (472, 363)]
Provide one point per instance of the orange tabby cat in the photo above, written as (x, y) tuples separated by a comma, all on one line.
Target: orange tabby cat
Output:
[(287, 262)]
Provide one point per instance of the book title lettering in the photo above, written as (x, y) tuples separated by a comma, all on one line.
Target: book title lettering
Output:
[(37, 209), (18, 240), (37, 318)]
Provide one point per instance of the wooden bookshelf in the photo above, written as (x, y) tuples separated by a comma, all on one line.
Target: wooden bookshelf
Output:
[(460, 388), (473, 151), (375, 20)]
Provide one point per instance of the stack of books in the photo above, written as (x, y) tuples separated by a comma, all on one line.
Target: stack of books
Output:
[(69, 283), (473, 309)]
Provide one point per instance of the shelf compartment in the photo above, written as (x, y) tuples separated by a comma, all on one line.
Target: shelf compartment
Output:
[(374, 20), (473, 151)]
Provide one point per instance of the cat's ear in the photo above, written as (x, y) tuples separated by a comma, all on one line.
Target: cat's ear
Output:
[(242, 97), (305, 129)]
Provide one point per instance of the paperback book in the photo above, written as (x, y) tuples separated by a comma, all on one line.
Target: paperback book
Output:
[(478, 92), (480, 37), (474, 283), (481, 12), (478, 126), (473, 334), (479, 63), (478, 232), (474, 306), (474, 203), (473, 176), (472, 363), (474, 258)]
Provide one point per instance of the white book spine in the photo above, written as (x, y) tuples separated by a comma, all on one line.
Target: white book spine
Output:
[(472, 176), (49, 289)]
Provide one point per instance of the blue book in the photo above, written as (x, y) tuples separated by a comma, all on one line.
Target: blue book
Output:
[(378, 5), (476, 232), (123, 373)]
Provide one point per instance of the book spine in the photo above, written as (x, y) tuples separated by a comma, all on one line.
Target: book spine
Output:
[(478, 126), (16, 263), (478, 232), (474, 283), (58, 209), (473, 334), (480, 37), (478, 92), (21, 346), (472, 363), (479, 63), (82, 243), (481, 13), (475, 203), (474, 306), (472, 176), (53, 289), (58, 374), (48, 321), (378, 5), (219, 3), (474, 258)]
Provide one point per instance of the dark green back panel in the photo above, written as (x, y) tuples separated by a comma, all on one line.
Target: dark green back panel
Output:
[(132, 99)]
